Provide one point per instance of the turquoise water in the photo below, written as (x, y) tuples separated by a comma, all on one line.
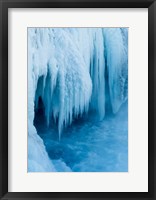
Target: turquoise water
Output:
[(88, 145)]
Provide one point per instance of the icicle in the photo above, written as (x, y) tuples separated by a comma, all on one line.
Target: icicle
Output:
[(117, 65), (97, 74), (72, 64)]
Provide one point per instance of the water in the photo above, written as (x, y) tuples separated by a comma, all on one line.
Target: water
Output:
[(88, 145)]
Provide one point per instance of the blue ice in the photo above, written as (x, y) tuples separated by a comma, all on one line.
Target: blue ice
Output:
[(78, 99)]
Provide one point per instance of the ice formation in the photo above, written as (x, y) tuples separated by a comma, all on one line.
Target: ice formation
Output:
[(67, 69)]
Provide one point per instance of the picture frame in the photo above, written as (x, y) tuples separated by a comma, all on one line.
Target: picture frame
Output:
[(4, 6)]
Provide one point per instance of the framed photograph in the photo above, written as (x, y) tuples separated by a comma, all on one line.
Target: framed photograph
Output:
[(77, 99)]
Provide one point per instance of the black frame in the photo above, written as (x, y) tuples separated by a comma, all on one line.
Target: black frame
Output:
[(4, 5)]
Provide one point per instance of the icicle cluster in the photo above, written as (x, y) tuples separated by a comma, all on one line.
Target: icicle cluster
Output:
[(67, 70), (116, 53)]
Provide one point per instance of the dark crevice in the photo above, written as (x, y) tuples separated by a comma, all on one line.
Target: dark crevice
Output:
[(39, 118), (108, 106)]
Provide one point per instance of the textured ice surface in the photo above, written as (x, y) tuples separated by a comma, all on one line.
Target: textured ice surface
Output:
[(73, 71)]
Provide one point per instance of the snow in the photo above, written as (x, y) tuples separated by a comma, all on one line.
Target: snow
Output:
[(38, 160), (67, 70)]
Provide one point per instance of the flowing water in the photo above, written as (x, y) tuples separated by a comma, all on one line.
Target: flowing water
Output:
[(88, 145)]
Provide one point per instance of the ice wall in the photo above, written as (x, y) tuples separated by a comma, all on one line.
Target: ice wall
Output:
[(116, 54), (66, 68)]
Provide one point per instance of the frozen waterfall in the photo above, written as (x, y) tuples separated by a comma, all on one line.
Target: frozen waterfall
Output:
[(73, 71)]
